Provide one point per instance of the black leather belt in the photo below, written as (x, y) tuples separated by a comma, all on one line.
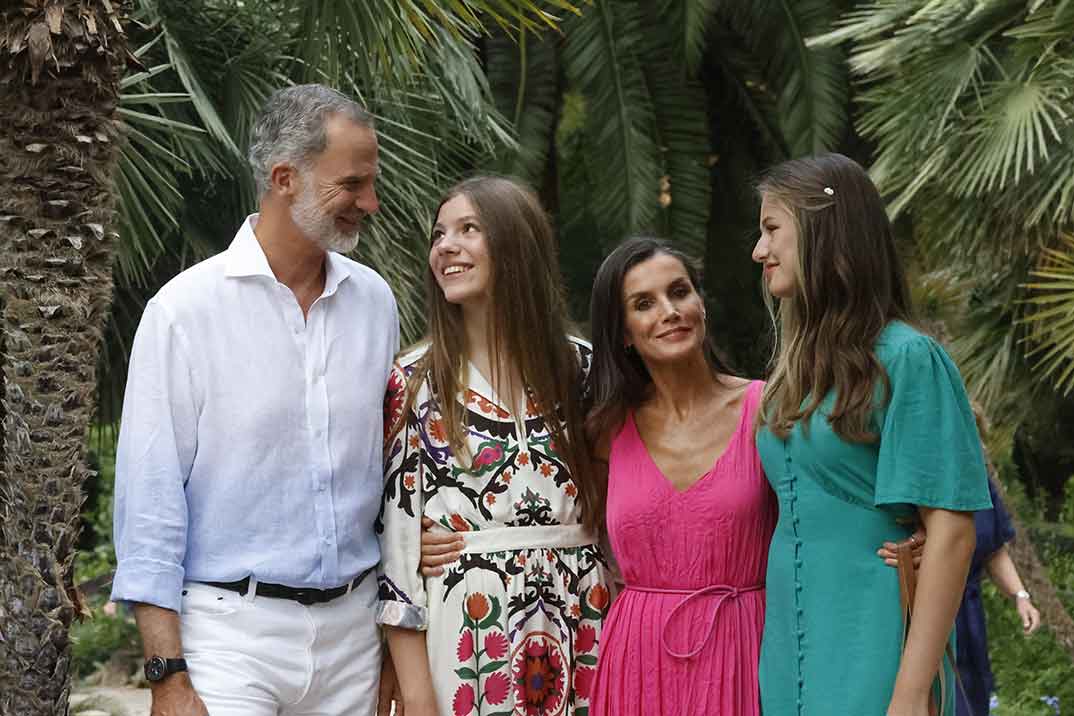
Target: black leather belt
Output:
[(302, 595)]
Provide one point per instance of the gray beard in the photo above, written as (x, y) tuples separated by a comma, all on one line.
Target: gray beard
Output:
[(319, 227)]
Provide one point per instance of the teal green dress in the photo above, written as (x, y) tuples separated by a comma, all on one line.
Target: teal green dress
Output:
[(833, 631)]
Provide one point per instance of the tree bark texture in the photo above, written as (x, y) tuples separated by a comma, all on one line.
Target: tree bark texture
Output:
[(60, 66)]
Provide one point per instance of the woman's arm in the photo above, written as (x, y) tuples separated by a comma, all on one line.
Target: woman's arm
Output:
[(940, 584), (401, 608), (1001, 568), (412, 668)]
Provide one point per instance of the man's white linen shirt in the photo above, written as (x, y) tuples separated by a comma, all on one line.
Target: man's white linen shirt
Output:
[(251, 440)]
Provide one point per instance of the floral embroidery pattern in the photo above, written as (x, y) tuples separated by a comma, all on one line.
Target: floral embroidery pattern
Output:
[(540, 682), (511, 633)]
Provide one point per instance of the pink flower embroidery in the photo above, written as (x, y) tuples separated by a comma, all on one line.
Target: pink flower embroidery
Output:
[(465, 649), (495, 645), (585, 640), (583, 681), (489, 455), (497, 687), (464, 700)]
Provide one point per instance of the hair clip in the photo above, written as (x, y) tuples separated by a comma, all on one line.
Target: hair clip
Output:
[(829, 191)]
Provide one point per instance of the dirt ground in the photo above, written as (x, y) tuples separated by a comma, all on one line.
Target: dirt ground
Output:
[(110, 701)]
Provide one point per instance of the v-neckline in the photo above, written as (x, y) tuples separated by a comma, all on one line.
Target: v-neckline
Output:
[(663, 476), (484, 388)]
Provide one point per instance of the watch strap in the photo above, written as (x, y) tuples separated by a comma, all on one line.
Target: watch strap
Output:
[(172, 666)]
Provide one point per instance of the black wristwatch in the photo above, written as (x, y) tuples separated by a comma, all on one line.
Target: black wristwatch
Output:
[(157, 668)]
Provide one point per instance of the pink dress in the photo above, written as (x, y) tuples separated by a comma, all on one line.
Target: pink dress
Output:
[(684, 637)]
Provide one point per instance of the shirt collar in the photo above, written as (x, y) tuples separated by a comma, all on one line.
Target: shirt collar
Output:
[(245, 257), (335, 273)]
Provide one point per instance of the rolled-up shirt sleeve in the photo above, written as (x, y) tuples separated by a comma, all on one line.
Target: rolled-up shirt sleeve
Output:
[(157, 444)]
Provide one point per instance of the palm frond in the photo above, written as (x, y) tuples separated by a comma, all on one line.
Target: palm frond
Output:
[(601, 61), (810, 81), (1019, 128), (438, 125), (987, 346), (523, 78), (864, 25), (683, 132), (1050, 317), (160, 150), (522, 15), (737, 84), (685, 24), (392, 36)]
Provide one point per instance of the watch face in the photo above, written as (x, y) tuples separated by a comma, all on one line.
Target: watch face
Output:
[(155, 669)]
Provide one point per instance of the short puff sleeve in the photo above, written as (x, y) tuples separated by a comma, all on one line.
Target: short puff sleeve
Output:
[(930, 451)]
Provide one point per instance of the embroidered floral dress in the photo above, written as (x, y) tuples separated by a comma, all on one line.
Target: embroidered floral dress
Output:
[(513, 625)]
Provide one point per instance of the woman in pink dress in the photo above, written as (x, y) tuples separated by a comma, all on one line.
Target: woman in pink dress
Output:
[(690, 514)]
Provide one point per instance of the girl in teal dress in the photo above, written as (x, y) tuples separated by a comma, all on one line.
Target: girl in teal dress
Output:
[(864, 429)]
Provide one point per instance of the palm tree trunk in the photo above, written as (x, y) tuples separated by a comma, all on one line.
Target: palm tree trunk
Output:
[(60, 66)]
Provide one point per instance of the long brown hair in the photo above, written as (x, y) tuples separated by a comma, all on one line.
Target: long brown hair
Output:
[(620, 379), (528, 329), (850, 285)]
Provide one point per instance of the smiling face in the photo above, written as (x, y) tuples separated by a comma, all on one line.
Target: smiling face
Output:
[(664, 317), (777, 248), (459, 255), (336, 188)]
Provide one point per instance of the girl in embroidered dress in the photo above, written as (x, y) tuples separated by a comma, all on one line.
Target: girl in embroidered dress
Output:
[(483, 428)]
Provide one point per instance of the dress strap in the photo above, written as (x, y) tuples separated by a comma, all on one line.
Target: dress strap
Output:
[(722, 592)]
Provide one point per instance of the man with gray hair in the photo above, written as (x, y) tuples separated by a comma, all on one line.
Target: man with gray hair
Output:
[(248, 473)]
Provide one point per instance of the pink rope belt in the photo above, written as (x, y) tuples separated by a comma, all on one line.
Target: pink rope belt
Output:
[(722, 592)]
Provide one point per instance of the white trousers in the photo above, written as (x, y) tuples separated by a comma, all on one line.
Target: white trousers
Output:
[(260, 656)]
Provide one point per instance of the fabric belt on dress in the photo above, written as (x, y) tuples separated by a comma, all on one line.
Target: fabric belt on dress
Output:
[(502, 539), (302, 595), (722, 592)]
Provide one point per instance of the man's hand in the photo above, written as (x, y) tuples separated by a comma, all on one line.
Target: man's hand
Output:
[(175, 696), (887, 552), (438, 549), (389, 689)]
